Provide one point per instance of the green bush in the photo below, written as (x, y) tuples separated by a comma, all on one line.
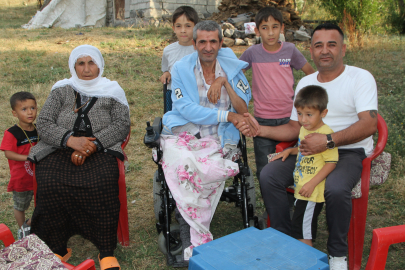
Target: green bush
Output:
[(392, 108), (396, 16)]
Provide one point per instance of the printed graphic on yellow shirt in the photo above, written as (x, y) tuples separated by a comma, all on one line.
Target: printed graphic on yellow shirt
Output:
[(307, 167)]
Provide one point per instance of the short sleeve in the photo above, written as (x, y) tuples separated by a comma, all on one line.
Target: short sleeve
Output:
[(365, 97), (246, 56), (165, 62), (331, 155), (9, 142), (298, 60)]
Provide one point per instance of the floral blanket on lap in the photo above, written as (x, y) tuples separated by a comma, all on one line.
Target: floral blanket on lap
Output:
[(195, 171), (29, 253)]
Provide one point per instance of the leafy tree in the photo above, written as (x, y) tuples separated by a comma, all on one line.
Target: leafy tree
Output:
[(357, 16), (396, 15)]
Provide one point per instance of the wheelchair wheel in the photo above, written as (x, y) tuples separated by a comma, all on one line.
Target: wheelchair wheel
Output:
[(251, 190), (175, 245), (157, 200)]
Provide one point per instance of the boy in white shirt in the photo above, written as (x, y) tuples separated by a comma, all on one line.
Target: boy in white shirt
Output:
[(184, 19)]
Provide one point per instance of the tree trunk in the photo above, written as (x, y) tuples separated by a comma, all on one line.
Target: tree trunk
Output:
[(46, 2)]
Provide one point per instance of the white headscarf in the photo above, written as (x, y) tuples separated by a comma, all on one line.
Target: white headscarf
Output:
[(98, 87)]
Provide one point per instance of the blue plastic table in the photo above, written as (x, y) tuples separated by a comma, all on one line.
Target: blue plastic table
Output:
[(257, 249)]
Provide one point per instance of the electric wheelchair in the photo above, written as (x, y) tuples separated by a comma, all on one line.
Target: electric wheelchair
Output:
[(241, 192)]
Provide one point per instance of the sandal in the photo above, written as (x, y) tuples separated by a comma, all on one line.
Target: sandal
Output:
[(24, 231), (66, 257), (108, 262)]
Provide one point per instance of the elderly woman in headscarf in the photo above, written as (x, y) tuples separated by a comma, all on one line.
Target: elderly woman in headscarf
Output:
[(81, 125)]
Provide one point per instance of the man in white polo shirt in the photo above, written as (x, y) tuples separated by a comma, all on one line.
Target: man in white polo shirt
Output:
[(352, 115)]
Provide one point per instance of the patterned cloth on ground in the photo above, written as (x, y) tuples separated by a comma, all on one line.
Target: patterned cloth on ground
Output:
[(29, 253)]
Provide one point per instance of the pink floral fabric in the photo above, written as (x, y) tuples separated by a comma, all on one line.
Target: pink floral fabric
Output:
[(195, 171), (29, 253)]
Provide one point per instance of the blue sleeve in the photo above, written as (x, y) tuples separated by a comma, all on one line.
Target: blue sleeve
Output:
[(186, 100), (242, 88)]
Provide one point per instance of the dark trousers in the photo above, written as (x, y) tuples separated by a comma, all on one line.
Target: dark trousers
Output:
[(264, 146), (278, 175)]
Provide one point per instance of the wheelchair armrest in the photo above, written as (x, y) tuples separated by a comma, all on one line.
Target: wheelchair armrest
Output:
[(242, 146), (151, 138)]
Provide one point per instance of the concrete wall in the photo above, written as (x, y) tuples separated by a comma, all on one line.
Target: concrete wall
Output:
[(158, 8)]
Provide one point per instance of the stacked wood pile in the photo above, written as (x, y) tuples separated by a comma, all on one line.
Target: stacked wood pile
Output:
[(232, 8)]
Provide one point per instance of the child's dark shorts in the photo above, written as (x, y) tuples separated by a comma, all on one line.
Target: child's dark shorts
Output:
[(305, 219), (22, 200)]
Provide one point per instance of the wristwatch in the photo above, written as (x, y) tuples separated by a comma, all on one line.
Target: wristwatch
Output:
[(330, 144)]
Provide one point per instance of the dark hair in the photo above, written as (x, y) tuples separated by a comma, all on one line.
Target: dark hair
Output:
[(207, 26), (190, 13), (265, 13), (312, 96), (20, 96), (328, 26)]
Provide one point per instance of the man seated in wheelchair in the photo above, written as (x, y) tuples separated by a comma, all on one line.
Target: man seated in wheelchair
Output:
[(210, 93)]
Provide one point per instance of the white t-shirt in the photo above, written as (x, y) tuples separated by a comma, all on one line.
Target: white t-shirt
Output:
[(173, 53), (354, 91)]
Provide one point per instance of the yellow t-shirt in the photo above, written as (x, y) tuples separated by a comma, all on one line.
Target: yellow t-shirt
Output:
[(307, 167)]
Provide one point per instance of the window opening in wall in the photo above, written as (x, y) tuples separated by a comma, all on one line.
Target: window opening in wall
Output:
[(119, 9)]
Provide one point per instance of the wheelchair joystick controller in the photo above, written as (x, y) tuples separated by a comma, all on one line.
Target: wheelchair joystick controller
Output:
[(151, 137)]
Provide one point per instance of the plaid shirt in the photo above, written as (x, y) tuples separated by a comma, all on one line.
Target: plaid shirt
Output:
[(223, 105)]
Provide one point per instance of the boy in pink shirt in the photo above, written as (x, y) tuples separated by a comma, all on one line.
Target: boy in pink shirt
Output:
[(272, 64)]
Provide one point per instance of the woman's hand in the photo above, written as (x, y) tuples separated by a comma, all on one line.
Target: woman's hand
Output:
[(84, 145), (77, 158)]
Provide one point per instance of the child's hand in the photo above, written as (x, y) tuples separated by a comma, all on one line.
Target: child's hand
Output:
[(165, 78), (282, 155), (306, 190)]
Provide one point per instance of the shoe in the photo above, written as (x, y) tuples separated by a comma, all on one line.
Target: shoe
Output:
[(66, 257), (108, 262), (337, 263), (24, 231), (19, 234)]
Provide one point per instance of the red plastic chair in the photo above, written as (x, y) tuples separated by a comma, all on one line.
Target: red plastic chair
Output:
[(382, 239), (7, 237), (123, 229), (359, 206)]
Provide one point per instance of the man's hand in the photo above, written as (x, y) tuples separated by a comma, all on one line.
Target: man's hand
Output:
[(248, 126), (307, 189), (214, 93), (313, 143), (77, 158), (165, 78)]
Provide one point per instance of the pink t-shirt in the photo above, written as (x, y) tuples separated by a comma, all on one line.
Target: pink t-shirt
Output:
[(273, 79)]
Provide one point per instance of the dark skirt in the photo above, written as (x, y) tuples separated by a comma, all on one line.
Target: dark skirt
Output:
[(77, 200)]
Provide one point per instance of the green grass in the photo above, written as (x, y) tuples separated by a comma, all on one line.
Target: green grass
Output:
[(34, 60)]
